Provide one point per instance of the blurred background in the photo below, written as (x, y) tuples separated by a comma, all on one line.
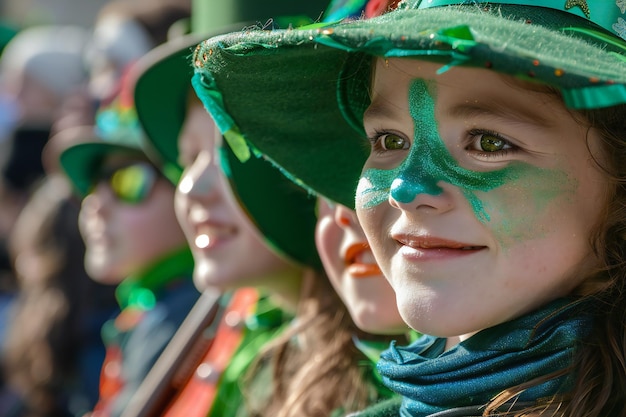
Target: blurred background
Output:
[(31, 12), (61, 61)]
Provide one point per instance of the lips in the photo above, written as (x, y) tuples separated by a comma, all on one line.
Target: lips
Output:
[(95, 229), (424, 246), (211, 235), (97, 237), (428, 242), (360, 262)]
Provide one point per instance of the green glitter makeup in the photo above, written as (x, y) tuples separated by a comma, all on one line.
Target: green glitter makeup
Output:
[(429, 162)]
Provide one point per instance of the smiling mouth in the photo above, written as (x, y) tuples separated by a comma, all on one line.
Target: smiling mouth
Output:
[(210, 236), (357, 264), (435, 244)]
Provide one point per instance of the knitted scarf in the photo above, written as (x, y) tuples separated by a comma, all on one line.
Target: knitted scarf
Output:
[(432, 380)]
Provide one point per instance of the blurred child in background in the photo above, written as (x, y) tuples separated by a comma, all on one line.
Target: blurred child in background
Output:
[(133, 240)]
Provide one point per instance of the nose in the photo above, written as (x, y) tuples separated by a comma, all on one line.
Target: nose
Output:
[(344, 217), (200, 181), (94, 211), (419, 189), (99, 200), (411, 182)]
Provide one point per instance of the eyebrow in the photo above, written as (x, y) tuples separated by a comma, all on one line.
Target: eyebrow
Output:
[(378, 110), (502, 110), (493, 107)]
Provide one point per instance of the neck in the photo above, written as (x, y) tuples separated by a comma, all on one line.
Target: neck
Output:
[(283, 287), (455, 340)]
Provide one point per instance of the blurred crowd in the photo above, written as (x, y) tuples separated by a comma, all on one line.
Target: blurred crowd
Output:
[(71, 313), (54, 77)]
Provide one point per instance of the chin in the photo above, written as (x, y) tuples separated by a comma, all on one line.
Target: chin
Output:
[(208, 274), (103, 276), (442, 325), (201, 276)]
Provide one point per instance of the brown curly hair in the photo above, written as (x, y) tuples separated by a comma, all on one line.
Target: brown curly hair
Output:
[(600, 364), (317, 371)]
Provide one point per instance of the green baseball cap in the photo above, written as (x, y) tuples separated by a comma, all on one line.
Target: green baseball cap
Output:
[(282, 212), (298, 96)]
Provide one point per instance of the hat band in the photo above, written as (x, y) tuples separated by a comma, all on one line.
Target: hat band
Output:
[(606, 14)]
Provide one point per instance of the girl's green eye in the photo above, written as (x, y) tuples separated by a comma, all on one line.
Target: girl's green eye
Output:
[(490, 143), (393, 142)]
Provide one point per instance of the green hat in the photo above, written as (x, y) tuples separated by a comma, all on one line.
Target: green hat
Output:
[(7, 32), (117, 130), (298, 96), (283, 213)]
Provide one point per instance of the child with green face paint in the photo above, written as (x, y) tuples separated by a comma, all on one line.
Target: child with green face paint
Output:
[(482, 145)]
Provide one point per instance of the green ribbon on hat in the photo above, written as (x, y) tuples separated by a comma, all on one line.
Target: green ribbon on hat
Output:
[(594, 97), (211, 97), (606, 14)]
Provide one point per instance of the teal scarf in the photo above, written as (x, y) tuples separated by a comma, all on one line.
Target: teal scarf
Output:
[(473, 372)]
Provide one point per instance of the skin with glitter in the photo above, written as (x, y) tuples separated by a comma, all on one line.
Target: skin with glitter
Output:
[(429, 162)]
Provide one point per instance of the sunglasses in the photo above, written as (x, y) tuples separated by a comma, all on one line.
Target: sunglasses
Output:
[(130, 184)]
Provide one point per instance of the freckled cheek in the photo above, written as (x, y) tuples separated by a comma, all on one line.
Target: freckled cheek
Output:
[(366, 215), (370, 218), (363, 186), (518, 212)]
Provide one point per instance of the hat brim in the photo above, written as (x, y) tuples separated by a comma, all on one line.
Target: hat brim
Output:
[(162, 80), (283, 213), (161, 87), (293, 97)]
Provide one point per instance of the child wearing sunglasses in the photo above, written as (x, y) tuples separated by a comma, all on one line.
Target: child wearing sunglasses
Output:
[(133, 240), (482, 144)]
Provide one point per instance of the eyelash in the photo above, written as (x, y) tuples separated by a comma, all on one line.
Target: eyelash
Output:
[(375, 141), (474, 135)]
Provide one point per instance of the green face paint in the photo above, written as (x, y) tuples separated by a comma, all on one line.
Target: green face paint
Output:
[(429, 163)]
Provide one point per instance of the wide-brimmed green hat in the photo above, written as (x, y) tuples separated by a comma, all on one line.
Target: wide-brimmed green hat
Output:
[(298, 96), (283, 212), (117, 131)]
